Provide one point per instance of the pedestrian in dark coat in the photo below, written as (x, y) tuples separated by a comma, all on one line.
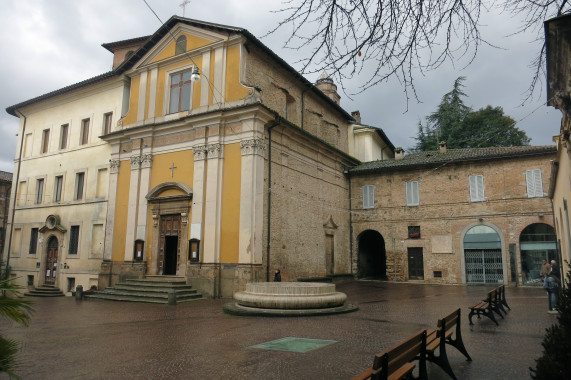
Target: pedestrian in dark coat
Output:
[(278, 276)]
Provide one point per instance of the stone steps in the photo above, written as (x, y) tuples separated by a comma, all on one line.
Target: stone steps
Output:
[(155, 289), (44, 291)]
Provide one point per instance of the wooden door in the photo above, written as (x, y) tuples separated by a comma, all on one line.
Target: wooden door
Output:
[(51, 261), (415, 264), (169, 245)]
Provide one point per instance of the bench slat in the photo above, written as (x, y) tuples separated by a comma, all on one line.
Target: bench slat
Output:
[(402, 371)]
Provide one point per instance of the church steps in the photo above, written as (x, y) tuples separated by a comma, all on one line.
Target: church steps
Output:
[(44, 291), (154, 290)]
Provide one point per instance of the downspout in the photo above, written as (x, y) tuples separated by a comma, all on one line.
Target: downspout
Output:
[(346, 171), (275, 123), (303, 104), (15, 192)]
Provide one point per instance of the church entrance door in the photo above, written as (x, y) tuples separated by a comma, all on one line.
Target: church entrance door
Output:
[(51, 261), (169, 250)]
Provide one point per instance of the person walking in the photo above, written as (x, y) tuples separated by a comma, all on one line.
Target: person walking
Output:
[(278, 276), (552, 284)]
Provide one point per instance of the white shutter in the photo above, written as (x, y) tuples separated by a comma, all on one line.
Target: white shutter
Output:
[(368, 196), (534, 183), (412, 198), (476, 188)]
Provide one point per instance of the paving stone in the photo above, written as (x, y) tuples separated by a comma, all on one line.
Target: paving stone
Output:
[(69, 339)]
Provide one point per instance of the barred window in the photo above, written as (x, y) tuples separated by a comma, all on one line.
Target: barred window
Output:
[(73, 240)]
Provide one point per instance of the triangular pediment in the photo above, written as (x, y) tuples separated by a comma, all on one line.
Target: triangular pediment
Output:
[(197, 39)]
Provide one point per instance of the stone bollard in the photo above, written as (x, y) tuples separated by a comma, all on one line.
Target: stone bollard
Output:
[(172, 297), (79, 292)]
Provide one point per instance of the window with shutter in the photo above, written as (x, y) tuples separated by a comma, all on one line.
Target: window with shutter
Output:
[(368, 196), (412, 198), (476, 188), (534, 183)]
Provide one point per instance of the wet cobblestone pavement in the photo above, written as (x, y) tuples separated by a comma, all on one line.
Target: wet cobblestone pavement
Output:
[(69, 339)]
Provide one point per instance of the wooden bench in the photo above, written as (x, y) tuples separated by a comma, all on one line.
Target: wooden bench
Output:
[(502, 291), (447, 327), (396, 362), (486, 308)]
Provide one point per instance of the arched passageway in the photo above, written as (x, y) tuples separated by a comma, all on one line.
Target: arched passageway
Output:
[(537, 242), (483, 256), (372, 255)]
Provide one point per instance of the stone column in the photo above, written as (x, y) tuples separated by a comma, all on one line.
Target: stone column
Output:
[(252, 201), (132, 208), (111, 204), (212, 205)]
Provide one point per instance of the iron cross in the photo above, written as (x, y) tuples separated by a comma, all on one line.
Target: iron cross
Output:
[(172, 168), (183, 6)]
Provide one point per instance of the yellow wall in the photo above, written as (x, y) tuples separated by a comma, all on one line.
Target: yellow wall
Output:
[(234, 89), (230, 225), (192, 42), (120, 228), (160, 173)]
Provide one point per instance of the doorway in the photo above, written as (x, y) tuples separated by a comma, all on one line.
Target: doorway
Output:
[(372, 256), (51, 261), (415, 263), (169, 251), (483, 256)]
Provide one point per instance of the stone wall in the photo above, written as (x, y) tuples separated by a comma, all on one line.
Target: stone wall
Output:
[(446, 213)]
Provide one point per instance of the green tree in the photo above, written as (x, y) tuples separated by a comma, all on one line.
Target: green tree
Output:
[(461, 127), (17, 310), (555, 362)]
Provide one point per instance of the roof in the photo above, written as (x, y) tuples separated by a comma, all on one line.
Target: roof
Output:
[(111, 46), (158, 35), (5, 176), (434, 158)]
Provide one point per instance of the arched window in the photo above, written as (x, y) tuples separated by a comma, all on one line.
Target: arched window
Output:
[(180, 45), (129, 54)]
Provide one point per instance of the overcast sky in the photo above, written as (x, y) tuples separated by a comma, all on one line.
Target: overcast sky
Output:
[(49, 44)]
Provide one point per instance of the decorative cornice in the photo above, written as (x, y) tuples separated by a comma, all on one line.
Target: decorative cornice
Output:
[(199, 152), (254, 146), (114, 166)]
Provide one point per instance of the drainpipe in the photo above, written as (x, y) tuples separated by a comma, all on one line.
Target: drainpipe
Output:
[(275, 123), (16, 191), (303, 104)]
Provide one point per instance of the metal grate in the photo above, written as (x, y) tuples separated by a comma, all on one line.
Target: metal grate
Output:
[(484, 266)]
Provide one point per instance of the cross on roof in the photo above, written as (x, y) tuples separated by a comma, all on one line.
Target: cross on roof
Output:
[(183, 6)]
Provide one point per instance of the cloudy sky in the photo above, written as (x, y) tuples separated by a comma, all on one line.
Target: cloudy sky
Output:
[(49, 44)]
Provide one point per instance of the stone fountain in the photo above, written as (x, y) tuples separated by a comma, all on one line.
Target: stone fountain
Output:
[(289, 299)]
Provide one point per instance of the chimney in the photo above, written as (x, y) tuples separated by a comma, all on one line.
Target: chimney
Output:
[(357, 116), (326, 85), (442, 147), (399, 153)]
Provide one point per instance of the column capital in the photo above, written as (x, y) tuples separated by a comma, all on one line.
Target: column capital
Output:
[(114, 166), (199, 152), (215, 150), (253, 146), (146, 160), (135, 162)]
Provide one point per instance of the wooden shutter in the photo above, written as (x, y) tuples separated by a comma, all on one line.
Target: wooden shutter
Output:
[(476, 188), (368, 196), (412, 198), (534, 183)]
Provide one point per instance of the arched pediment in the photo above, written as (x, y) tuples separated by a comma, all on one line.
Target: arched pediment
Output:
[(169, 190)]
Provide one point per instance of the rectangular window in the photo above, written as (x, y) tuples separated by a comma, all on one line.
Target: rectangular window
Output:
[(58, 188), (63, 136), (84, 132), (39, 190), (33, 241), (79, 180), (45, 140), (368, 196), (414, 232), (534, 183), (107, 119), (180, 92), (476, 188), (73, 240), (412, 198)]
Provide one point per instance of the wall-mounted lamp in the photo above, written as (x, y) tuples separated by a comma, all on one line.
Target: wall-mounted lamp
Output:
[(481, 219), (541, 215), (195, 76)]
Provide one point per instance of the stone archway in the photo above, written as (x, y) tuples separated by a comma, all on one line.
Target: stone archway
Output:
[(482, 254), (372, 258), (537, 242)]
